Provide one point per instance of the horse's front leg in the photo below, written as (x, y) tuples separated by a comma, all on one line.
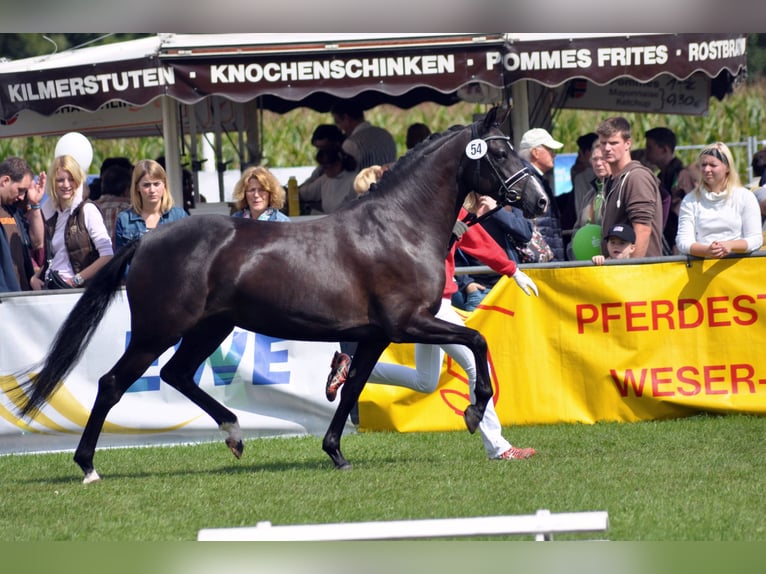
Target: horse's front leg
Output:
[(367, 354), (483, 391)]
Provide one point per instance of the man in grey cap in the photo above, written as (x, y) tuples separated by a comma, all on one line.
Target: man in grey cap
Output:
[(537, 149)]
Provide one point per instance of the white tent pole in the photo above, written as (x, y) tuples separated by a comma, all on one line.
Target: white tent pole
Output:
[(172, 153), (519, 110)]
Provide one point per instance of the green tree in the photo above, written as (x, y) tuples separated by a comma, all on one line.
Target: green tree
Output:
[(756, 57)]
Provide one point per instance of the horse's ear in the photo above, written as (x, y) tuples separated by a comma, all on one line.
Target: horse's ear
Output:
[(505, 116), (490, 119)]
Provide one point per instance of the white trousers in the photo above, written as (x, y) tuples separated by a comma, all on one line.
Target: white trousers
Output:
[(424, 378)]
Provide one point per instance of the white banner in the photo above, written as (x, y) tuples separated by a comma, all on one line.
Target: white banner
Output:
[(274, 386)]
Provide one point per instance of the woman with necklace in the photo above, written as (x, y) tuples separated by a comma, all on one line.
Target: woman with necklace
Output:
[(150, 204), (720, 216)]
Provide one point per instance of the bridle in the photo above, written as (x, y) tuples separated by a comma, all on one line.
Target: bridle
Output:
[(506, 190), (509, 194)]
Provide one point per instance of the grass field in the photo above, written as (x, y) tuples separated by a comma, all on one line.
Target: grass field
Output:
[(695, 479)]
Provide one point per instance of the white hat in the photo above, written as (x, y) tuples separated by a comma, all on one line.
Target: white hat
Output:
[(537, 137)]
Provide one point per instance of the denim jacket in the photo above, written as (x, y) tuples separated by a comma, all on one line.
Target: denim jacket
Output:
[(130, 225)]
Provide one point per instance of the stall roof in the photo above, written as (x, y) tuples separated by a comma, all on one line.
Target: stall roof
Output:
[(284, 70), (553, 59), (287, 71)]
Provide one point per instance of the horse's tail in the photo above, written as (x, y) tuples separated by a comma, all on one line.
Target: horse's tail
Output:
[(74, 335)]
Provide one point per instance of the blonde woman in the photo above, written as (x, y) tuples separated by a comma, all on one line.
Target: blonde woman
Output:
[(150, 204), (720, 216), (77, 243), (259, 195)]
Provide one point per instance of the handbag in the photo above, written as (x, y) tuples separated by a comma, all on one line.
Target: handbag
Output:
[(56, 282), (536, 250)]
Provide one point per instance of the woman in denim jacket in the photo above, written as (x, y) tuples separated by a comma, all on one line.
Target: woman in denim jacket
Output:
[(259, 195), (150, 204)]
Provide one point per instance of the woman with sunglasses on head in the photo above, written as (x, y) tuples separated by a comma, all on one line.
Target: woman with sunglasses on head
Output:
[(77, 243), (150, 204), (719, 216)]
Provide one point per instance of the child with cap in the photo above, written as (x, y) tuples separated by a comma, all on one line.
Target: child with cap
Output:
[(620, 243)]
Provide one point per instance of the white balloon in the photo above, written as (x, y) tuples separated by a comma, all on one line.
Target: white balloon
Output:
[(78, 146)]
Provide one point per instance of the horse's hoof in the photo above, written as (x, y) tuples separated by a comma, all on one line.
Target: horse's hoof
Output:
[(472, 419), (236, 446), (91, 477), (344, 466)]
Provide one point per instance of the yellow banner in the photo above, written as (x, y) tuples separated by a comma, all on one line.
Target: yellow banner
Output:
[(604, 343)]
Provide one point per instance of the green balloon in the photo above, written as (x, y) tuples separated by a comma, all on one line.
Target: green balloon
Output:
[(587, 241)]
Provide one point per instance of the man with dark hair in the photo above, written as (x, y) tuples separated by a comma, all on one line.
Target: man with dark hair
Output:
[(675, 179), (581, 173), (325, 136), (115, 197), (367, 144), (21, 222), (758, 165), (416, 133), (631, 193)]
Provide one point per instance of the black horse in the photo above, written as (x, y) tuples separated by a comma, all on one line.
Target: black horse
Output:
[(372, 272)]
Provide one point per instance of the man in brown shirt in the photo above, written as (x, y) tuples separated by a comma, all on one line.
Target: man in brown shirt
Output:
[(631, 193)]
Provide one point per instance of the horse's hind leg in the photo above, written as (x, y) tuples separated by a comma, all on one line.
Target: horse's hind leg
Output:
[(195, 347), (362, 364), (427, 329), (111, 387)]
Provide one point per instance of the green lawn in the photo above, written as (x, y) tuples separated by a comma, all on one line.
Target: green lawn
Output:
[(695, 479)]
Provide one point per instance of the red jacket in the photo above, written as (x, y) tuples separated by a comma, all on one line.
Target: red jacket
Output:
[(480, 244)]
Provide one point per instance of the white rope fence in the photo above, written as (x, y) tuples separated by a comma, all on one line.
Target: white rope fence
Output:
[(543, 525)]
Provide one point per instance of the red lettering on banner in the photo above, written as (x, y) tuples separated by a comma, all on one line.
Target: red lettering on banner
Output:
[(750, 316), (687, 381), (585, 314), (685, 306), (658, 379), (715, 310), (710, 379), (664, 314), (607, 315), (684, 379), (745, 378), (663, 310), (632, 313)]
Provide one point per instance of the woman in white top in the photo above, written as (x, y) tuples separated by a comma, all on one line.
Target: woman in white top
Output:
[(77, 242), (720, 216)]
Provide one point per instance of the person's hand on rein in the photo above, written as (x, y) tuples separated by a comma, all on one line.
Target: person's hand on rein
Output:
[(524, 282)]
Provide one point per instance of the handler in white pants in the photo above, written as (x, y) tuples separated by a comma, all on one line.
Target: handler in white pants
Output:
[(424, 378)]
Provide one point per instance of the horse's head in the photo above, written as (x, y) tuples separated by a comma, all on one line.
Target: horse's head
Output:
[(492, 167)]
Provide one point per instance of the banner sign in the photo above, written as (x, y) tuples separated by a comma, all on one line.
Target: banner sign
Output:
[(275, 387), (604, 343), (614, 343)]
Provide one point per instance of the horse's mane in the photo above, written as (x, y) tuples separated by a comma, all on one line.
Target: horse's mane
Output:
[(412, 159)]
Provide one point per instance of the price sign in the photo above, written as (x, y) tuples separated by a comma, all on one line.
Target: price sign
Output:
[(663, 95)]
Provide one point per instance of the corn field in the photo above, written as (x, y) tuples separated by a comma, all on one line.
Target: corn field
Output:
[(286, 138)]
